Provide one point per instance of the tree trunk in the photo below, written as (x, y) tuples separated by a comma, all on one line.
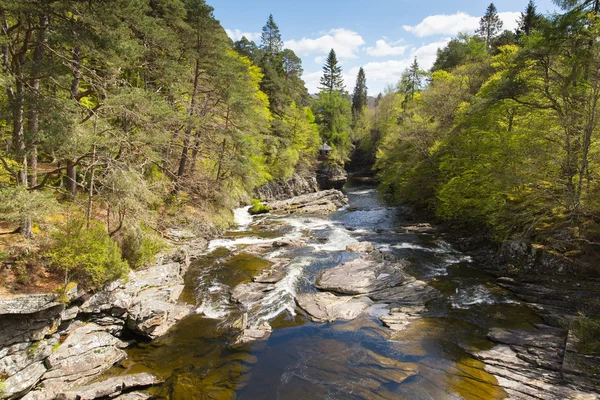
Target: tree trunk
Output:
[(33, 122), (71, 183), (91, 191), (188, 130), (221, 160)]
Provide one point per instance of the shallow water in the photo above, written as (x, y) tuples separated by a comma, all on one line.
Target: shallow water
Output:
[(343, 360)]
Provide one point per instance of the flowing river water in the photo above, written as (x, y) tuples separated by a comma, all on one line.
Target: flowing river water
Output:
[(355, 359)]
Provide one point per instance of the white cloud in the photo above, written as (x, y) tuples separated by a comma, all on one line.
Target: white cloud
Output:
[(389, 72), (312, 80), (345, 42), (383, 49), (443, 24), (320, 59), (237, 34)]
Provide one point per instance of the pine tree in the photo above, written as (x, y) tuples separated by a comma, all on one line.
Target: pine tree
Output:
[(490, 25), (332, 74), (529, 20), (359, 98), (411, 82), (271, 38)]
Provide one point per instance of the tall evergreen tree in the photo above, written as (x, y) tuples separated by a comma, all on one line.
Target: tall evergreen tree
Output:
[(490, 25), (271, 38), (359, 98), (411, 82), (332, 79), (529, 20)]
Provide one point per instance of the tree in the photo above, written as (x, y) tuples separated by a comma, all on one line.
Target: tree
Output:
[(411, 82), (359, 98), (332, 79), (529, 20), (271, 38), (490, 25)]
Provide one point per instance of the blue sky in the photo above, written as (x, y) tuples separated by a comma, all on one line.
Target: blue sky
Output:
[(383, 36)]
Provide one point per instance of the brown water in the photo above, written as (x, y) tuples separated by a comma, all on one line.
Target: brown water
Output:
[(356, 359)]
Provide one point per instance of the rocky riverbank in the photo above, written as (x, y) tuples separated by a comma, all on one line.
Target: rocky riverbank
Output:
[(57, 348)]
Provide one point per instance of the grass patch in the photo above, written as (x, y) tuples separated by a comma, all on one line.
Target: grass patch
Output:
[(587, 329)]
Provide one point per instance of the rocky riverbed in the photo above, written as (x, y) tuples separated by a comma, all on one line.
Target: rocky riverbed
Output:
[(326, 297)]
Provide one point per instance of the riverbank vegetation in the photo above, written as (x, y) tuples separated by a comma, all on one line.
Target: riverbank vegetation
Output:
[(501, 136), (121, 120)]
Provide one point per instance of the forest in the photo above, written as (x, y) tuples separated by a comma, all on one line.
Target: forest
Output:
[(122, 119)]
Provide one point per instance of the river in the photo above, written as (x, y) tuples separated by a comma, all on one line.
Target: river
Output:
[(355, 359)]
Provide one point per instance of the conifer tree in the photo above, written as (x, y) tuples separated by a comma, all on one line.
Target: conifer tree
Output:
[(529, 20), (359, 98), (490, 25), (332, 79), (271, 38)]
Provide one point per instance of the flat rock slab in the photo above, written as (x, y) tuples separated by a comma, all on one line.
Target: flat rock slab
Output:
[(361, 276), (360, 247), (110, 387), (27, 304), (535, 338), (411, 292), (324, 306), (86, 353), (322, 202)]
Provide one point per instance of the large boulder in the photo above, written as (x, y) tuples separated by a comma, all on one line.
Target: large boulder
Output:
[(324, 306), (411, 292), (361, 276), (322, 202)]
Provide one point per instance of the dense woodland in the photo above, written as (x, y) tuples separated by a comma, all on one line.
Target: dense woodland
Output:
[(122, 119), (500, 138)]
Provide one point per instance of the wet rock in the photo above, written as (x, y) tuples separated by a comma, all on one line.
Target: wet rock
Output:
[(252, 334), (275, 273), (289, 243), (245, 293), (110, 388), (322, 202), (399, 317), (361, 276), (543, 338), (411, 292), (360, 247), (280, 190), (325, 306)]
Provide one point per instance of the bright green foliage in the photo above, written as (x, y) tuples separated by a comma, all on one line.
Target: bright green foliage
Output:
[(507, 144), (18, 202), (88, 256), (258, 208), (334, 116)]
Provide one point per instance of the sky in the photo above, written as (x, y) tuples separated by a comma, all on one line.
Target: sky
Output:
[(382, 36)]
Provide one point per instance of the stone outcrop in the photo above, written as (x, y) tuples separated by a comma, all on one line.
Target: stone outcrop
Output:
[(111, 388), (146, 303), (331, 176), (360, 247), (280, 190), (361, 276), (325, 306), (536, 364), (45, 346), (323, 202)]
